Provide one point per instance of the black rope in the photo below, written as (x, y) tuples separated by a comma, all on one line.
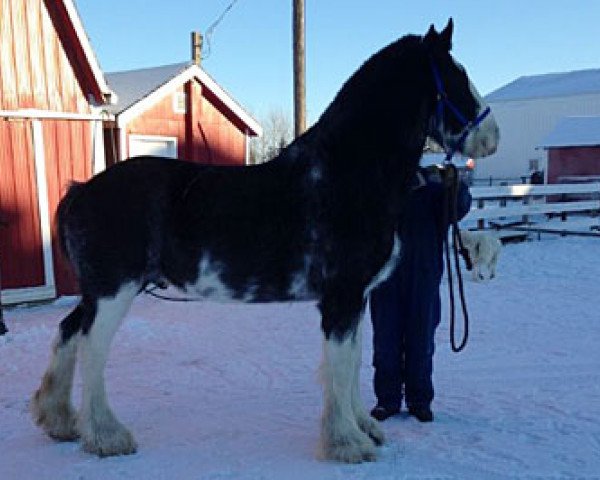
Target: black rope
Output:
[(151, 292), (450, 217)]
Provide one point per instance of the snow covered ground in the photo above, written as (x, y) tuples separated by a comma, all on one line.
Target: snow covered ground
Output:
[(231, 391)]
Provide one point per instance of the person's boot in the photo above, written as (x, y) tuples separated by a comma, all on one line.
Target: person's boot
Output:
[(382, 413), (422, 413)]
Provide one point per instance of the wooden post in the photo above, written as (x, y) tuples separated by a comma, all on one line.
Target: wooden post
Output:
[(526, 201), (299, 69), (196, 48), (481, 221)]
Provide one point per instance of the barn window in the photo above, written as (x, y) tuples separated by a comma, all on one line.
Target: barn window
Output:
[(152, 145), (180, 102)]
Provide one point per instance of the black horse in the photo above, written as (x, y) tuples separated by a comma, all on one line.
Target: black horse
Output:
[(317, 222)]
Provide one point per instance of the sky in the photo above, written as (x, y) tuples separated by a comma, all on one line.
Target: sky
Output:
[(251, 48)]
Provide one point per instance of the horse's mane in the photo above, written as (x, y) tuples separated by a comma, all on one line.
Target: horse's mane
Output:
[(371, 73), (381, 101), (377, 120)]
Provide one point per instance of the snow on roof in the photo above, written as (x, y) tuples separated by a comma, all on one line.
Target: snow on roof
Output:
[(133, 85), (548, 85), (574, 132)]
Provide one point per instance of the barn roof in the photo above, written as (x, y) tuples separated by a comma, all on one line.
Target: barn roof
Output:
[(563, 84), (71, 25), (138, 90), (573, 132)]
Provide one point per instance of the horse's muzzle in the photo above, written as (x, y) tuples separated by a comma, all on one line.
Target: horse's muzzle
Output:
[(483, 140)]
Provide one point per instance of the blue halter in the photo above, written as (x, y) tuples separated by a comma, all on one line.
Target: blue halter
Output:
[(443, 101)]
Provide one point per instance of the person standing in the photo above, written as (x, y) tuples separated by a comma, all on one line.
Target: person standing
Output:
[(406, 309)]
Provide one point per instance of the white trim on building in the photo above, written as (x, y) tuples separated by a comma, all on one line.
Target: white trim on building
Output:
[(109, 95), (48, 289)]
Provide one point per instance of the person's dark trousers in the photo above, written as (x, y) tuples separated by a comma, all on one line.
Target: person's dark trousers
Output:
[(405, 309), (388, 342)]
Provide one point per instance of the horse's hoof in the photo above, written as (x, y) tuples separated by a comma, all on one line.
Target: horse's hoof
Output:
[(109, 440), (58, 420), (351, 452), (352, 447)]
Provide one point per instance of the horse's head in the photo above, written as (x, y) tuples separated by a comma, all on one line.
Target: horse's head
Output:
[(461, 120)]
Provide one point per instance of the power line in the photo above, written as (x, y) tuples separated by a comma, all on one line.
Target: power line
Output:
[(211, 29)]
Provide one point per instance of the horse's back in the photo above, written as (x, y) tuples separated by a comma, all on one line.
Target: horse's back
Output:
[(149, 219)]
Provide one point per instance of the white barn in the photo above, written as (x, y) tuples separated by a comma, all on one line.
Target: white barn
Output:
[(526, 110)]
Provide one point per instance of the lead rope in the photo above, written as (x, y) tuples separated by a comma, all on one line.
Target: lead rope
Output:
[(450, 218)]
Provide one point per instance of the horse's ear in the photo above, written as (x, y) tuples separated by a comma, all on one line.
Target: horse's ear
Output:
[(446, 36), (431, 37)]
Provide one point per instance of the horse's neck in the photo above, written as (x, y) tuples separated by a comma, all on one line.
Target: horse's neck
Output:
[(372, 135), (359, 128), (371, 144)]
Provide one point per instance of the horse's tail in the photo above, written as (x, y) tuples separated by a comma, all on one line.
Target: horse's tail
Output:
[(62, 215)]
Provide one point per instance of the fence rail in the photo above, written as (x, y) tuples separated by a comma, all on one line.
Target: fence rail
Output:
[(516, 191), (524, 200)]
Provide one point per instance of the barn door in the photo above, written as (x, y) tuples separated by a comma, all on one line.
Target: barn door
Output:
[(26, 271)]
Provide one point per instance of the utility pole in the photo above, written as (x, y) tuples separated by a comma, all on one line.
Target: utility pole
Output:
[(299, 69)]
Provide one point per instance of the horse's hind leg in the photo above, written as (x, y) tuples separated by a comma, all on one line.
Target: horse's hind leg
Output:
[(51, 406), (101, 433)]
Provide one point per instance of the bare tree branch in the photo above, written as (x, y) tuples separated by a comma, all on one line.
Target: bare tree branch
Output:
[(277, 134)]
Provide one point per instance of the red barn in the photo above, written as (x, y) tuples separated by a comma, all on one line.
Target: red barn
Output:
[(51, 93), (176, 111), (55, 111), (574, 150)]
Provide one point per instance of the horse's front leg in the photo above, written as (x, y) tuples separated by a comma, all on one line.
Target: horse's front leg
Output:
[(343, 433)]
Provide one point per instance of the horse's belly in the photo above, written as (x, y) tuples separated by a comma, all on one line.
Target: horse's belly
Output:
[(223, 282)]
